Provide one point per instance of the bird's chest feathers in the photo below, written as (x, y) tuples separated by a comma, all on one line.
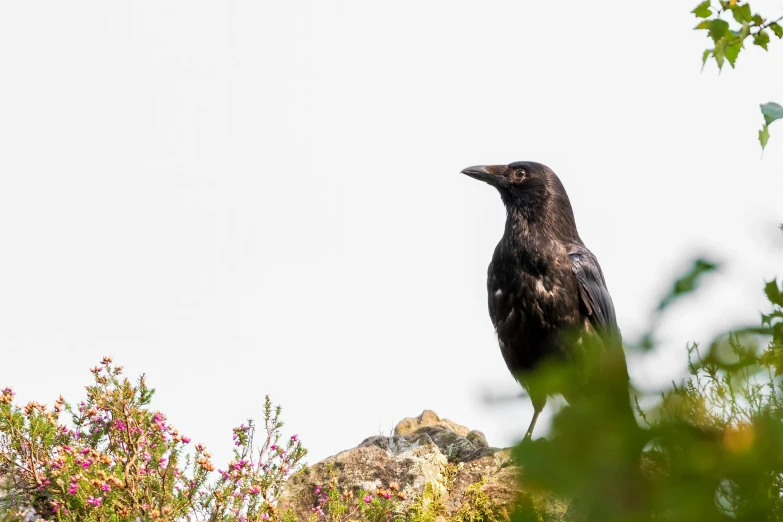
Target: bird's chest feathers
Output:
[(531, 289)]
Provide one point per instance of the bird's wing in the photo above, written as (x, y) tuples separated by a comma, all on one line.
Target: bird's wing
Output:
[(593, 292), (600, 311)]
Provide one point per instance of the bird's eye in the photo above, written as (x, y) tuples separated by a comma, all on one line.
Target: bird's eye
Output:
[(519, 173)]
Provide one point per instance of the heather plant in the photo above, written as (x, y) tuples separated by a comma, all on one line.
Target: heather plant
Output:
[(248, 489), (115, 460)]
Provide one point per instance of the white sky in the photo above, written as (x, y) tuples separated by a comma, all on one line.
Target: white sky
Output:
[(243, 197)]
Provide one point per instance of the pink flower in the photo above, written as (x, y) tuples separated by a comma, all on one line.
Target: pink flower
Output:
[(255, 490), (368, 499), (95, 501), (72, 488), (105, 487), (294, 437), (185, 440)]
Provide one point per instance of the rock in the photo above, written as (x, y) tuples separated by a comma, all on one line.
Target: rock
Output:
[(456, 448), (431, 460), (12, 500), (478, 439), (426, 419)]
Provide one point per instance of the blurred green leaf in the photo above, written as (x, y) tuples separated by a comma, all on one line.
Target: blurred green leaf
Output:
[(744, 32), (742, 13), (761, 39), (688, 282), (646, 343), (718, 29), (764, 136), (705, 57), (774, 294), (777, 29), (771, 111), (720, 52), (773, 358), (703, 10), (766, 319), (732, 51)]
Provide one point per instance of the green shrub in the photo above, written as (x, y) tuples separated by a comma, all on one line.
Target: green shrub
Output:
[(713, 444)]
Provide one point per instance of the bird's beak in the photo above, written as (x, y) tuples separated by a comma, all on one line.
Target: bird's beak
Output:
[(492, 174)]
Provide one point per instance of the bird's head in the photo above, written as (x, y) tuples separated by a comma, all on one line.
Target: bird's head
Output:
[(523, 183)]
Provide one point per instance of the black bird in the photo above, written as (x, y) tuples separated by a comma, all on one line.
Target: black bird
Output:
[(544, 284)]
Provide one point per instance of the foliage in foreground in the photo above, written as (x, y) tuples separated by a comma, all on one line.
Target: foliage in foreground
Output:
[(713, 444)]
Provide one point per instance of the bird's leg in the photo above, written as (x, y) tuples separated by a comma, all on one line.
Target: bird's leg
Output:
[(529, 434), (539, 401)]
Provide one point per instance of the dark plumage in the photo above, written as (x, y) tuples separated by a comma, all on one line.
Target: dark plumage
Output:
[(543, 283)]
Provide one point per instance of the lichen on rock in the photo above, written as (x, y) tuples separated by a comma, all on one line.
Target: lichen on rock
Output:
[(443, 470)]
